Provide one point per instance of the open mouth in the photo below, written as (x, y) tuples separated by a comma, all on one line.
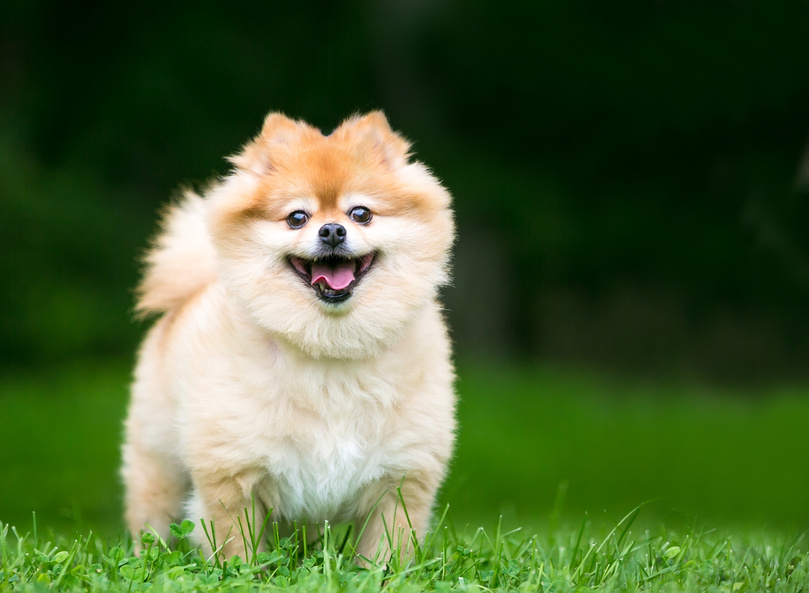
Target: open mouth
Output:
[(334, 277)]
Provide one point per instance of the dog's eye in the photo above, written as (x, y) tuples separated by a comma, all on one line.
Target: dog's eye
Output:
[(297, 219), (360, 214)]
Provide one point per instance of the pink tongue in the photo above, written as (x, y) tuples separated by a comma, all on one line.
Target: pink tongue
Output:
[(337, 277)]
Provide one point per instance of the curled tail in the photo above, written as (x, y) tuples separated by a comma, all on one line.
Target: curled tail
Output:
[(181, 260)]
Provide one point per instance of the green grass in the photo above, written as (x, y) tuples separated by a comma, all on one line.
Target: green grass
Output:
[(561, 454), (59, 443), (600, 558), (704, 455)]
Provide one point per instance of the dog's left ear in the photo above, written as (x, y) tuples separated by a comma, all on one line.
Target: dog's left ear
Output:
[(373, 134)]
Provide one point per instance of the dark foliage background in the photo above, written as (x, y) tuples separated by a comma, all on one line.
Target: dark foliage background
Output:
[(628, 175)]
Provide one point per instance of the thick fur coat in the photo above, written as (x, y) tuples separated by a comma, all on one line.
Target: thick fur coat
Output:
[(300, 359)]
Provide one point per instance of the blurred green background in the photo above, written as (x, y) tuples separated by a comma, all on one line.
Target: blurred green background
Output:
[(632, 270)]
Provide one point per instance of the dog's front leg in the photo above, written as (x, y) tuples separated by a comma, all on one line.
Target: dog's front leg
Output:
[(232, 515), (397, 513)]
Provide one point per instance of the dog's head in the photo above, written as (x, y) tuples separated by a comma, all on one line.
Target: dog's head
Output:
[(333, 242)]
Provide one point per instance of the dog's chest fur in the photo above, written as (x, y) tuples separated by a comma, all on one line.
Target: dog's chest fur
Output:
[(320, 479), (320, 455)]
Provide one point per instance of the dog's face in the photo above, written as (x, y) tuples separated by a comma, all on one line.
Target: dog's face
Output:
[(332, 243)]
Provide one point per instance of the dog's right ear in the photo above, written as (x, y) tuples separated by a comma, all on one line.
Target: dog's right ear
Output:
[(277, 132), (278, 128)]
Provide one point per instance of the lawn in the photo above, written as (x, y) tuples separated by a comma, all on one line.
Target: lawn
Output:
[(585, 559), (700, 453), (564, 456)]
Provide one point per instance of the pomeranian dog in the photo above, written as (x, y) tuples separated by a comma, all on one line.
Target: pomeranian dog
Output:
[(300, 364)]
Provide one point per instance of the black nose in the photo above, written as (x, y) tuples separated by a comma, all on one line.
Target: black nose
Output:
[(332, 234)]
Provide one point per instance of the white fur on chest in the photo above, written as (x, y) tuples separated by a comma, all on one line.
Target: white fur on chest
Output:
[(315, 431), (321, 479), (328, 446)]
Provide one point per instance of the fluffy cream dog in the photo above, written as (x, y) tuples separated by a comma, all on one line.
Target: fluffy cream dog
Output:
[(300, 358)]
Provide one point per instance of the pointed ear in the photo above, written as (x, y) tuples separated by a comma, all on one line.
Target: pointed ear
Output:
[(372, 121), (278, 128), (373, 133), (257, 156)]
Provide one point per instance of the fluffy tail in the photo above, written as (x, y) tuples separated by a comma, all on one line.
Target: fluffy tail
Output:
[(181, 260)]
